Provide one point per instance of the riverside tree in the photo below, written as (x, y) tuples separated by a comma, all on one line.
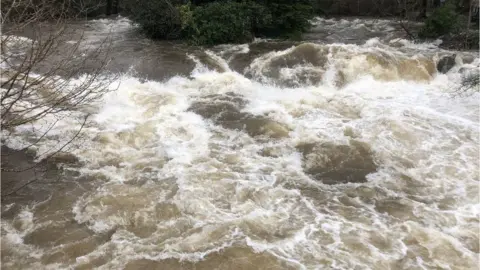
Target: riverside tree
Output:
[(214, 22), (47, 71)]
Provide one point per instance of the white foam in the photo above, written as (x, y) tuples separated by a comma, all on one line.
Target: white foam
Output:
[(118, 25), (225, 193), (223, 64), (232, 50)]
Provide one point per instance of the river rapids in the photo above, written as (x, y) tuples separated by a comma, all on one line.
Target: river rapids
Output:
[(344, 151)]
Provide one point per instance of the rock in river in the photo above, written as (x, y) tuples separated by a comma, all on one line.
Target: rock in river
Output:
[(446, 63)]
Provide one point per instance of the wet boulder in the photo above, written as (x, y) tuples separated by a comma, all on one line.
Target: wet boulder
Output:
[(446, 63), (338, 163)]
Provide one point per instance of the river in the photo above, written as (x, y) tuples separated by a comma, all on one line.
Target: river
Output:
[(344, 151)]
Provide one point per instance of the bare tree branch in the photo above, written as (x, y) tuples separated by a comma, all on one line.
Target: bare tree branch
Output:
[(46, 75), (470, 84)]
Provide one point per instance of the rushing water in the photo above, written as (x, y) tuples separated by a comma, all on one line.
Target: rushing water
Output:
[(344, 152)]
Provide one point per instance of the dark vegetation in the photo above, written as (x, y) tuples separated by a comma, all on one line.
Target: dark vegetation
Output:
[(456, 24), (159, 19), (209, 22), (214, 22), (442, 21)]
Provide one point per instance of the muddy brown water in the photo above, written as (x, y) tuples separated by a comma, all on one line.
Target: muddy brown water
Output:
[(342, 151)]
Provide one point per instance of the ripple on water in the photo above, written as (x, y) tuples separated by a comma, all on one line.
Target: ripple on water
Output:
[(236, 258)]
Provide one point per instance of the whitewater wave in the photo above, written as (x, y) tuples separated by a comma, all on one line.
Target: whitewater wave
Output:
[(282, 167)]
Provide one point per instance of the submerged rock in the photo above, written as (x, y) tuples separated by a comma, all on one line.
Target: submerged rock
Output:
[(224, 110), (446, 63), (337, 164)]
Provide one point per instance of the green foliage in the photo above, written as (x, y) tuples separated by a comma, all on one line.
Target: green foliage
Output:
[(217, 22), (158, 18), (186, 16), (214, 22), (237, 22), (289, 18), (442, 21), (472, 40)]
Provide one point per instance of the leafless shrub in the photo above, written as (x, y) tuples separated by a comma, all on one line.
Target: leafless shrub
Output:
[(470, 84), (48, 69)]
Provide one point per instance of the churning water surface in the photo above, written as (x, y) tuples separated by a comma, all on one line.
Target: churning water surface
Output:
[(346, 151)]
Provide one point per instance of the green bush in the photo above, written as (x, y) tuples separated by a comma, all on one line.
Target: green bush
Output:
[(472, 40), (442, 21), (158, 18), (289, 18), (217, 22)]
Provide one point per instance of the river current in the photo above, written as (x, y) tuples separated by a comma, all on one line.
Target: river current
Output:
[(347, 150)]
